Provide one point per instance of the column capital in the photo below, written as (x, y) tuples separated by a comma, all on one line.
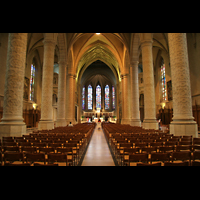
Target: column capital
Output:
[(134, 63), (62, 62), (124, 76), (146, 42), (71, 75), (48, 41)]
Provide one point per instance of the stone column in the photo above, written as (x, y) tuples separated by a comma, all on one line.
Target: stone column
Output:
[(117, 101), (61, 94), (125, 105), (67, 107), (12, 122), (46, 122), (74, 99), (134, 105), (183, 121), (150, 121), (70, 110), (79, 103)]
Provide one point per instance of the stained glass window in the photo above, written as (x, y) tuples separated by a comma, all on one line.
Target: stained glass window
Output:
[(83, 98), (32, 82), (113, 97), (163, 83), (89, 97), (98, 96), (107, 97)]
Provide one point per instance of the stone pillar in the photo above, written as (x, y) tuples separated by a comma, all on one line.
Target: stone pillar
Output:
[(134, 105), (74, 99), (183, 121), (12, 122), (67, 107), (150, 121), (46, 122), (61, 94), (125, 105), (79, 116), (70, 105), (117, 101)]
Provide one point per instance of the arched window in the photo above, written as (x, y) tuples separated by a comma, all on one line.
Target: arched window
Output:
[(32, 82), (113, 97), (98, 97), (163, 82), (107, 106), (89, 97), (83, 98)]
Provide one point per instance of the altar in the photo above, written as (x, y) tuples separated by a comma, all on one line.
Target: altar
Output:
[(96, 115), (97, 119)]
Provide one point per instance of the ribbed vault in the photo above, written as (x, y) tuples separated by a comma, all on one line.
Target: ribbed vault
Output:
[(98, 71), (98, 52)]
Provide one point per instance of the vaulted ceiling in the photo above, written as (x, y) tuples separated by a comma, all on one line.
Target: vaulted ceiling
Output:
[(86, 48), (107, 47), (98, 72)]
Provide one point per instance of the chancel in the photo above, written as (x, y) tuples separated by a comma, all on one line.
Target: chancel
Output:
[(142, 80)]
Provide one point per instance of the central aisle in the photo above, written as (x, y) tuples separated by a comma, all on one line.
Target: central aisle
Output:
[(98, 153)]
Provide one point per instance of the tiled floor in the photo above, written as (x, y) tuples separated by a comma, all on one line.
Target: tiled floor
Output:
[(98, 153)]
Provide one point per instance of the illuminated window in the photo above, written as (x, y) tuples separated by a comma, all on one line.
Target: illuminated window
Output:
[(107, 106), (83, 98), (98, 96), (113, 97), (163, 83), (32, 82), (89, 97)]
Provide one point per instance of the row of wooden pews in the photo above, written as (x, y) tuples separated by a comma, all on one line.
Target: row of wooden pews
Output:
[(135, 146), (60, 146)]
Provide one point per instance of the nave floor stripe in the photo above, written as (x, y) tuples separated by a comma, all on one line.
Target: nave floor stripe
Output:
[(98, 153)]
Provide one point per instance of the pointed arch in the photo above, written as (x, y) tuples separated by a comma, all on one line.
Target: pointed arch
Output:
[(98, 51)]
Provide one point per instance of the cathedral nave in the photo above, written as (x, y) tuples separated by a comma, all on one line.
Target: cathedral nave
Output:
[(127, 78)]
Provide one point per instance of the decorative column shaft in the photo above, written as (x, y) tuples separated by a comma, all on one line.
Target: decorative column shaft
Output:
[(150, 121), (61, 94), (79, 108), (117, 101), (70, 105), (12, 122), (125, 105), (183, 121), (135, 108), (46, 121), (74, 99)]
